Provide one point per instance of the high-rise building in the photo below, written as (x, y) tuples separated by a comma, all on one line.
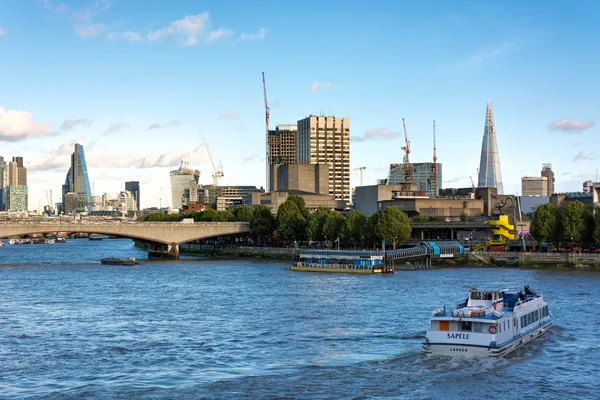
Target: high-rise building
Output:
[(134, 188), (326, 140), (283, 148), (490, 175), (3, 183), (534, 186), (422, 176), (549, 174), (16, 197), (184, 185), (76, 191)]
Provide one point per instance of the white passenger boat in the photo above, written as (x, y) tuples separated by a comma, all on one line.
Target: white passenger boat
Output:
[(489, 323)]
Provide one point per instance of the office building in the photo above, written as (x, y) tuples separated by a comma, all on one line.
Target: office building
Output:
[(490, 175), (76, 191), (326, 140), (422, 177), (184, 185), (223, 198), (3, 183), (134, 189), (534, 186), (16, 195), (312, 178), (549, 174), (283, 148)]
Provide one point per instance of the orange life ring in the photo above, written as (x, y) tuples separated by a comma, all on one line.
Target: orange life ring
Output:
[(494, 305), (492, 329)]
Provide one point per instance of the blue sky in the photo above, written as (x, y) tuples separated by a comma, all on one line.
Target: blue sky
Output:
[(103, 72)]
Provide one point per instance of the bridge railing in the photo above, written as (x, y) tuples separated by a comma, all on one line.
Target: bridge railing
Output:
[(110, 222)]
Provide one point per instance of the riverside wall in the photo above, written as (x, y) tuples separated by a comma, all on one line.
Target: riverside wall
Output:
[(537, 260), (281, 253)]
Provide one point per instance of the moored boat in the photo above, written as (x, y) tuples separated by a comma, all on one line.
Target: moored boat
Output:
[(488, 323), (355, 262), (119, 261)]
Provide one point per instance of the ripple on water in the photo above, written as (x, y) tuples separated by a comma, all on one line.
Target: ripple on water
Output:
[(73, 328)]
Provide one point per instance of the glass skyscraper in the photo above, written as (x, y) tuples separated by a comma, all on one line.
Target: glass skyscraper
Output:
[(490, 175), (134, 188), (77, 194)]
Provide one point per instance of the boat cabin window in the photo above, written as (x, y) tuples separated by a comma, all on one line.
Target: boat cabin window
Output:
[(466, 326)]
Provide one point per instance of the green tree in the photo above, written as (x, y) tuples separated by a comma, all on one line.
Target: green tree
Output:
[(291, 223), (393, 226), (597, 228), (332, 228), (263, 222), (544, 223), (299, 201), (371, 233), (243, 213), (574, 222), (355, 226), (224, 216), (316, 220), (208, 215)]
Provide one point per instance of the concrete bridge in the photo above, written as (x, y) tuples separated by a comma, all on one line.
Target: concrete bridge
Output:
[(163, 238)]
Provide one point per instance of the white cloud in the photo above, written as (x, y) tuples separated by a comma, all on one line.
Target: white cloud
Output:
[(315, 86), (108, 159), (480, 57), (113, 128), (260, 35), (582, 156), (18, 125), (218, 34), (71, 124), (229, 115), (128, 35), (380, 133), (2, 31), (575, 126), (169, 124), (88, 31), (187, 30)]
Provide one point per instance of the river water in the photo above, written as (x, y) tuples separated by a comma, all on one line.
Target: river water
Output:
[(71, 328)]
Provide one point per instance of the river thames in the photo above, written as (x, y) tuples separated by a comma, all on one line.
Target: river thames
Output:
[(71, 328)]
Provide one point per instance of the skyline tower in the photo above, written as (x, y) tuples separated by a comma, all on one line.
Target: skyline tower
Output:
[(490, 175), (76, 192)]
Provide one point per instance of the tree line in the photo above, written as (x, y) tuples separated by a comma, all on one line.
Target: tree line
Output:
[(294, 223), (572, 225)]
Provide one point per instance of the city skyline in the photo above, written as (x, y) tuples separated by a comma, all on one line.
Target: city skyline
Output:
[(132, 82)]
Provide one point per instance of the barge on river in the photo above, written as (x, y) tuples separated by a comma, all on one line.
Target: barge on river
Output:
[(488, 323), (356, 262), (119, 261)]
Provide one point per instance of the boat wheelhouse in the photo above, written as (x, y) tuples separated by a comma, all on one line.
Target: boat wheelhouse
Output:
[(358, 262), (488, 323)]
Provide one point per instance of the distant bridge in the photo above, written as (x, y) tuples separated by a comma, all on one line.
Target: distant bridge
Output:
[(159, 235)]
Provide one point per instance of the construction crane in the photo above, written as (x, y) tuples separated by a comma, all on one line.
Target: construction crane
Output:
[(217, 170), (472, 183), (434, 165), (49, 197), (408, 178), (267, 120), (361, 169)]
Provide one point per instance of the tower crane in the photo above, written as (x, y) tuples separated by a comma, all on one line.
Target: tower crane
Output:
[(361, 169), (267, 120), (434, 165), (408, 178), (217, 170)]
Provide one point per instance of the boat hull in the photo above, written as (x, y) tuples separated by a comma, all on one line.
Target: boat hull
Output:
[(471, 351), (336, 270)]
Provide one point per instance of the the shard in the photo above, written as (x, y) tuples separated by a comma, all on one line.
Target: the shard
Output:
[(489, 166)]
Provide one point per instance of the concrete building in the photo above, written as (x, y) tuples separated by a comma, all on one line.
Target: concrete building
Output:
[(134, 188), (312, 201), (16, 195), (3, 183), (230, 195), (184, 185), (326, 140), (534, 186), (446, 208), (490, 175), (549, 174), (282, 148), (224, 203), (366, 198), (311, 178), (422, 176)]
